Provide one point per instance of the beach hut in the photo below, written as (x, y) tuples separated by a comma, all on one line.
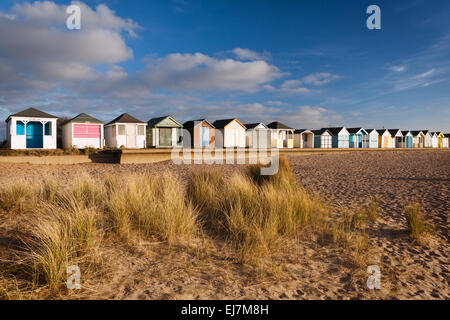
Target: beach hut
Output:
[(258, 135), (428, 142), (164, 132), (446, 140), (125, 131), (384, 138), (31, 129), (418, 139), (359, 138), (282, 135), (323, 139), (373, 138), (230, 133), (202, 134), (303, 138), (396, 138), (408, 139), (82, 131), (434, 139), (440, 139), (340, 137)]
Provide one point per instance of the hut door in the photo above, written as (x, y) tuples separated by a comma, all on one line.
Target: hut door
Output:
[(204, 137), (386, 142), (131, 136), (35, 135), (165, 137)]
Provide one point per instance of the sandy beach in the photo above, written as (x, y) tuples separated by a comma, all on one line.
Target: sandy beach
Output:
[(203, 269)]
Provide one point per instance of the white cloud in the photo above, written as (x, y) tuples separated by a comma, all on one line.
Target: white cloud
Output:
[(247, 54), (204, 73), (320, 79), (425, 74), (397, 68), (294, 87)]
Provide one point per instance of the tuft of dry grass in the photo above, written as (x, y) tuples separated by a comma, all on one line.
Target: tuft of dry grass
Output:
[(18, 196), (152, 206), (419, 226), (256, 213)]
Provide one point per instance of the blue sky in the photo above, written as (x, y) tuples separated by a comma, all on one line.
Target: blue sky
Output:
[(306, 63)]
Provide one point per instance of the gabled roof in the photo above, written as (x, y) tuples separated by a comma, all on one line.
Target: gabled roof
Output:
[(335, 130), (125, 118), (220, 124), (425, 131), (31, 113), (302, 130), (83, 117), (278, 125), (382, 131), (405, 132), (155, 121), (393, 132), (447, 135), (254, 125), (416, 132), (193, 123), (369, 131), (356, 130), (321, 131)]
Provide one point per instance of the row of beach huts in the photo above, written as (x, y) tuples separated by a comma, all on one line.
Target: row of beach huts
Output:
[(35, 129)]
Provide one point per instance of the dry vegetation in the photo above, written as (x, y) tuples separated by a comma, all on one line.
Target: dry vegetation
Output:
[(259, 219)]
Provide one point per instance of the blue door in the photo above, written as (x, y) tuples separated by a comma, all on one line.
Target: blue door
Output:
[(360, 144), (35, 137), (409, 142), (204, 137)]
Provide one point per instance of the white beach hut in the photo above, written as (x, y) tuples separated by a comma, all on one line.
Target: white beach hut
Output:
[(230, 133), (428, 142), (257, 135), (282, 135), (125, 131), (373, 138), (434, 139), (31, 129), (303, 138), (323, 139), (83, 131), (397, 140)]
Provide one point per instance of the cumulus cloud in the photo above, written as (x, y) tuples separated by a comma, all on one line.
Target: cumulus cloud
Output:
[(204, 73), (247, 54)]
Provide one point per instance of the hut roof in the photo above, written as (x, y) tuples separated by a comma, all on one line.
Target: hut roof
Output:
[(83, 117), (125, 118), (31, 113), (193, 123), (155, 121), (254, 125), (220, 124), (334, 130), (278, 125), (301, 130)]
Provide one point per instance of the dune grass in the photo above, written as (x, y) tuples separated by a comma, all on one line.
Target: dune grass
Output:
[(258, 218), (419, 227), (256, 213)]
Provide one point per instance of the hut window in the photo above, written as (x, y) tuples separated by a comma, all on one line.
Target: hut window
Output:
[(121, 128), (48, 129), (141, 130), (20, 128)]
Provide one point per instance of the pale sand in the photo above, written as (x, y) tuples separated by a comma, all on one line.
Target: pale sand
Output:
[(315, 271)]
